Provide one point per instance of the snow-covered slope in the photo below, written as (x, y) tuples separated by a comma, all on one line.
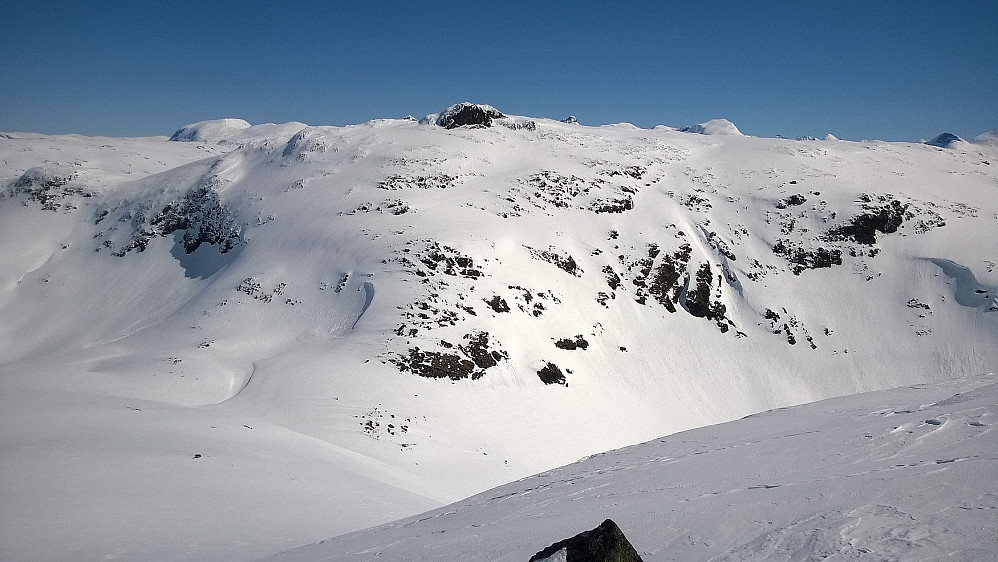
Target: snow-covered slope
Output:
[(904, 474), (987, 138), (424, 313)]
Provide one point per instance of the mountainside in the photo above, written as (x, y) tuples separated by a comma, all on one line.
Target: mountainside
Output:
[(401, 314)]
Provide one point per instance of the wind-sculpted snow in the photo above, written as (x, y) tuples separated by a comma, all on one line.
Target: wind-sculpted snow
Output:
[(515, 296), (905, 474)]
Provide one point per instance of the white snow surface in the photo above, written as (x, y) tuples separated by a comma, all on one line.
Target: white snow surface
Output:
[(721, 127), (212, 350), (903, 474)]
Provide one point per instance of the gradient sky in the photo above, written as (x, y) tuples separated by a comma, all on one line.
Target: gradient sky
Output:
[(859, 70)]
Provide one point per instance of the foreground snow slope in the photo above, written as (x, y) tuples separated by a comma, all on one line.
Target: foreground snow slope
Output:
[(332, 327), (903, 474)]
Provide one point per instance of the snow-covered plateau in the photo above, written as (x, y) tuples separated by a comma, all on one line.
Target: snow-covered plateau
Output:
[(251, 338)]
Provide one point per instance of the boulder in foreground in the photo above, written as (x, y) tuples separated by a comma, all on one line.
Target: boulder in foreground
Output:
[(605, 543)]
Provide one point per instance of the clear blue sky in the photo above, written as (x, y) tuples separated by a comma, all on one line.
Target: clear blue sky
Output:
[(860, 70)]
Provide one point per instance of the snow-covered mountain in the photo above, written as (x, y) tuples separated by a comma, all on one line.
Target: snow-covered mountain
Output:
[(255, 337)]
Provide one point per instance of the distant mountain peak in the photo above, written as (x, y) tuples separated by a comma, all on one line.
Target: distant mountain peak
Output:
[(713, 127), (464, 114), (945, 140), (211, 130), (989, 137)]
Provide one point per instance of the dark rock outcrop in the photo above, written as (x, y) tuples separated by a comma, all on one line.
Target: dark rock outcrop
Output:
[(48, 186), (201, 215), (468, 360), (944, 140), (605, 543), (863, 228), (551, 374), (468, 113)]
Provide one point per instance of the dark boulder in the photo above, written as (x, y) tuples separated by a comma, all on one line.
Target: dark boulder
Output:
[(605, 543)]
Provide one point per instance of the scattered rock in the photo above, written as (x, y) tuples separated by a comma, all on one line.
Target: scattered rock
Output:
[(469, 360), (48, 186), (565, 263), (807, 259), (793, 200), (571, 344), (396, 182), (616, 205)]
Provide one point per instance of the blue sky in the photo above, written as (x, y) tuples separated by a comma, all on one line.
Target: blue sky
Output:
[(859, 70)]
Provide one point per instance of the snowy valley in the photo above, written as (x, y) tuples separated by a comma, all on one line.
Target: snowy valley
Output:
[(245, 339)]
